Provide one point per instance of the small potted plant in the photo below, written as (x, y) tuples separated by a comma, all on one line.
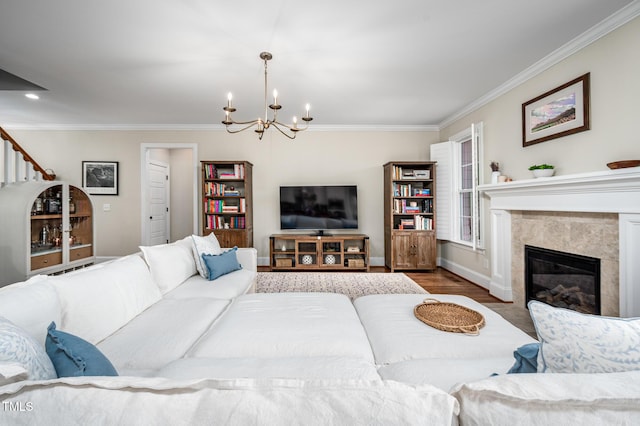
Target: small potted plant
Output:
[(542, 170)]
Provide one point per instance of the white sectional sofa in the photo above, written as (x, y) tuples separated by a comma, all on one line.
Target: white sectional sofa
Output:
[(192, 351)]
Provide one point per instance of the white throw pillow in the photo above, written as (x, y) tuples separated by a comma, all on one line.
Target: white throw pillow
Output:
[(170, 264), (18, 347), (204, 245), (571, 342), (31, 305)]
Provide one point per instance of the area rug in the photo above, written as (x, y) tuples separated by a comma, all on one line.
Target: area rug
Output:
[(352, 284)]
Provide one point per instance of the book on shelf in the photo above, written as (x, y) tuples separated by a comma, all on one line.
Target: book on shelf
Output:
[(224, 171), (418, 222), (222, 222), (222, 206)]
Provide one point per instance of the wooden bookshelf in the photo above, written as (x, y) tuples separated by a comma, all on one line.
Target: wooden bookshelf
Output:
[(227, 202), (409, 215)]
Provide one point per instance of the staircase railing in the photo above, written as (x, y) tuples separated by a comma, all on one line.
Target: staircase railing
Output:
[(17, 165)]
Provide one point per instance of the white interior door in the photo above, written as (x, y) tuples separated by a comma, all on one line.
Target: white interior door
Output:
[(158, 206)]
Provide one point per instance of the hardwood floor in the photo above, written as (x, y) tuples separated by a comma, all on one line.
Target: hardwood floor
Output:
[(439, 281)]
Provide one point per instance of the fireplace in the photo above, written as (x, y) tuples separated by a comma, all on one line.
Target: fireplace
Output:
[(564, 280)]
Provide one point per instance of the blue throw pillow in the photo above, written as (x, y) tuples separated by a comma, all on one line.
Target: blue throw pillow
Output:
[(526, 359), (221, 264), (73, 356)]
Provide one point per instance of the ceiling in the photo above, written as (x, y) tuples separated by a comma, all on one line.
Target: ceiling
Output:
[(171, 63)]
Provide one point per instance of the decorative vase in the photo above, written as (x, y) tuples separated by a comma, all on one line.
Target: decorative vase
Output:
[(543, 172), (330, 259), (307, 259), (495, 176)]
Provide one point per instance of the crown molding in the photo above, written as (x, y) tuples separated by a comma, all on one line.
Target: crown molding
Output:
[(216, 127), (604, 27)]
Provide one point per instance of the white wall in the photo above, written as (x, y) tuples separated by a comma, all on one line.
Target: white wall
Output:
[(614, 64), (315, 157)]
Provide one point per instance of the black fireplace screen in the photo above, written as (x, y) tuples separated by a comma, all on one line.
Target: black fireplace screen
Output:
[(564, 280)]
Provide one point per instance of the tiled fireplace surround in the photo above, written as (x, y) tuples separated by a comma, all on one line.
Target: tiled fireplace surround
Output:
[(592, 214)]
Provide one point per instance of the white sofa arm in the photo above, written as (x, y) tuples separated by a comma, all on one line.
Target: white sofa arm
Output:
[(248, 258)]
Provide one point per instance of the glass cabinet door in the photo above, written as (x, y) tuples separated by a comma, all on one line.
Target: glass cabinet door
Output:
[(47, 228), (80, 225)]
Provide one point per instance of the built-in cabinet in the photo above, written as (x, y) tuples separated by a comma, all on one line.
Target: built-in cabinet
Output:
[(319, 252), (409, 215), (46, 228), (227, 197)]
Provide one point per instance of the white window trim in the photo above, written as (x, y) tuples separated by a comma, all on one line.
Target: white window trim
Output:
[(447, 154)]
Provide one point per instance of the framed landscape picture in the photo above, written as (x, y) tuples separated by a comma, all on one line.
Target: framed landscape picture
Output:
[(559, 112), (100, 177)]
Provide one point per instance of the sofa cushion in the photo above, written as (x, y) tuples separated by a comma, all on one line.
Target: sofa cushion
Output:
[(444, 373), (273, 402), (11, 372), (73, 356), (551, 399), (397, 335), (31, 305), (265, 368), (170, 264), (97, 302), (269, 325), (221, 264), (161, 334), (571, 342), (225, 287), (204, 245), (18, 347)]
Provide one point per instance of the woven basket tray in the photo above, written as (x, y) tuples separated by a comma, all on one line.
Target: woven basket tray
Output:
[(449, 317)]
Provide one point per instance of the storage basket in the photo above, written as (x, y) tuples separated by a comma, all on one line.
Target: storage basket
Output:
[(449, 317), (284, 262), (355, 263)]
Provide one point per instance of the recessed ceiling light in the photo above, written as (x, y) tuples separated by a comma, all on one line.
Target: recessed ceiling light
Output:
[(32, 96)]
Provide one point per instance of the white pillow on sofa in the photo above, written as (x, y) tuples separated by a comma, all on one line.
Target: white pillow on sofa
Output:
[(97, 302), (31, 305), (204, 245), (170, 264), (571, 342)]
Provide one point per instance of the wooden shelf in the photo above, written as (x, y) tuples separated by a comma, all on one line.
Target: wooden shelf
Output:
[(409, 215), (239, 224), (326, 252)]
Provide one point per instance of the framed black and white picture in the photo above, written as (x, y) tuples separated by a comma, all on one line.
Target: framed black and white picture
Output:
[(100, 177)]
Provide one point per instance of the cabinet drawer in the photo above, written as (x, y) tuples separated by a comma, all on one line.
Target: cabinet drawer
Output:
[(46, 260), (80, 253)]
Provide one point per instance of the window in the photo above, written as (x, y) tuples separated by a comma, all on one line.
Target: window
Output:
[(458, 205)]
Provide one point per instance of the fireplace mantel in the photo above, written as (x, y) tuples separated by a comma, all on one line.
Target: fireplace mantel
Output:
[(614, 191)]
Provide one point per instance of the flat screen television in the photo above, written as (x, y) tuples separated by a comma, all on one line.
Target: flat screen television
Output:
[(319, 207)]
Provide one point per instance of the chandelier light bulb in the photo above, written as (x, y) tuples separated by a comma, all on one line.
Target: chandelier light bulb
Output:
[(307, 107), (295, 122), (229, 97), (275, 97)]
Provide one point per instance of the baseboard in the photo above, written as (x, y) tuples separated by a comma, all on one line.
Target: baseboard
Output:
[(466, 273)]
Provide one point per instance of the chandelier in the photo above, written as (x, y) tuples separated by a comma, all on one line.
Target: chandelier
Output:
[(262, 124)]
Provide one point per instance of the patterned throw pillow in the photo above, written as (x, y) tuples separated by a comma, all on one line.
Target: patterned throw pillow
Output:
[(17, 347), (571, 342)]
